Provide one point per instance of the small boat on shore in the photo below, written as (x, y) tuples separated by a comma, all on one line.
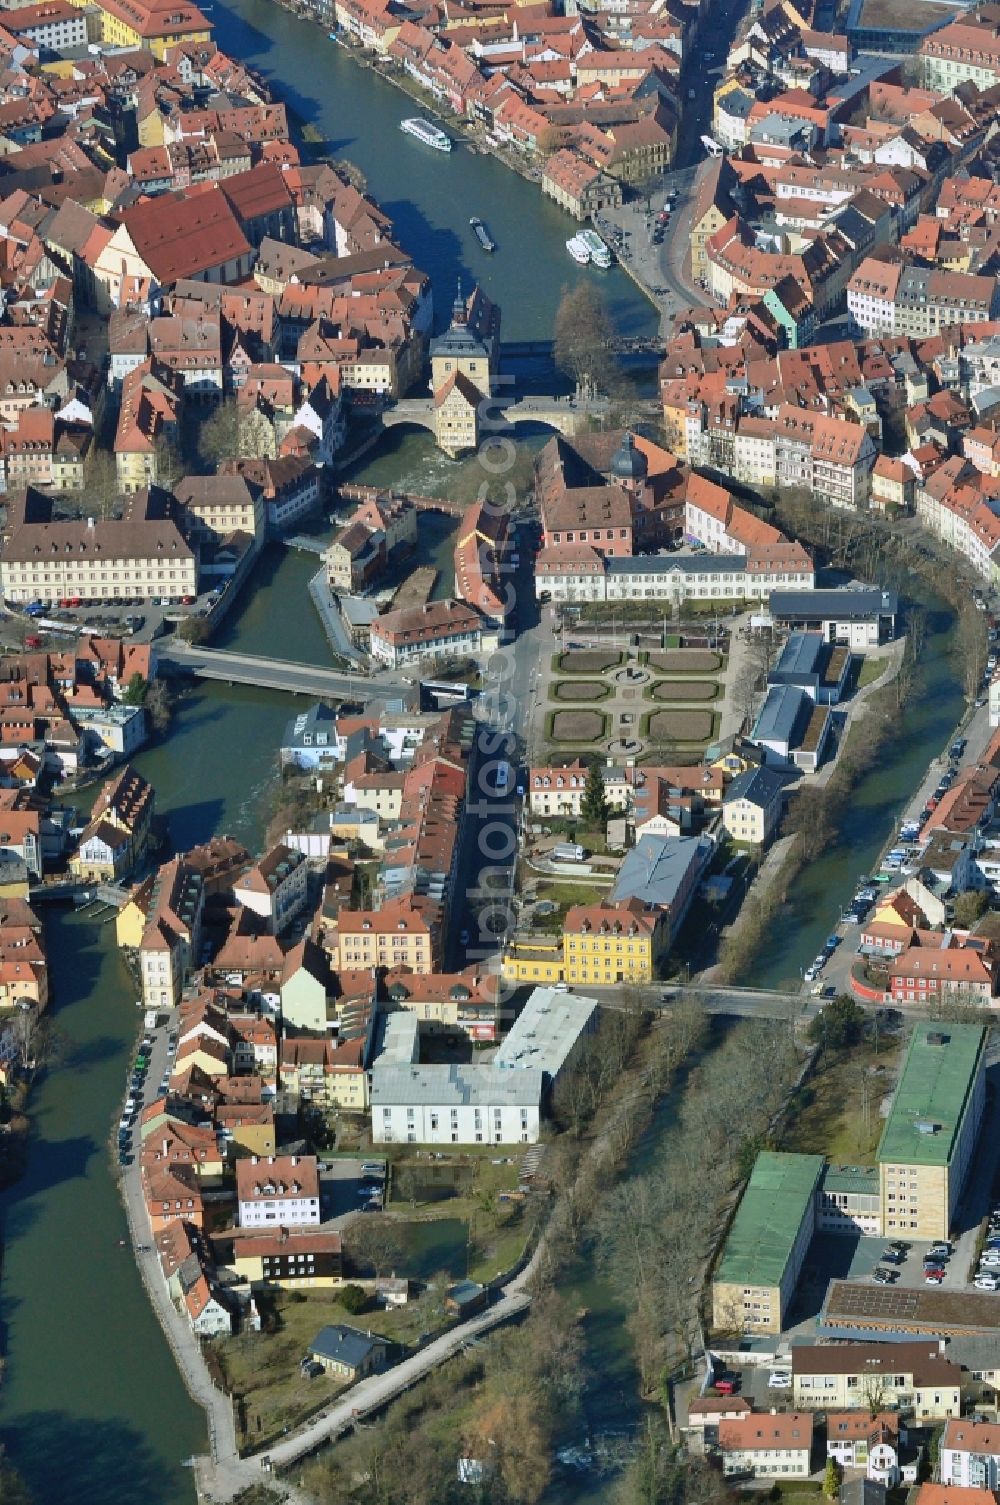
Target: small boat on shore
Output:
[(599, 253), (427, 132), (482, 234), (579, 250)]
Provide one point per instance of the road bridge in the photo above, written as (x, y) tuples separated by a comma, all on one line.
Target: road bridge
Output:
[(562, 414), (274, 673), (758, 1003)]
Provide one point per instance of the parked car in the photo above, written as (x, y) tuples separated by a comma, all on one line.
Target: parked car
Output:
[(884, 1277), (727, 1384), (984, 1281), (900, 1246), (942, 1247), (892, 1255), (780, 1379), (933, 1277)]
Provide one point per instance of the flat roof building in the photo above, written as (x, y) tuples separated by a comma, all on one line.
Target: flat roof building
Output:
[(931, 1131), (548, 1032), (455, 1104), (757, 1273), (859, 618)]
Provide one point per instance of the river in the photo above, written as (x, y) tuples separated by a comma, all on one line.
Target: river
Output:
[(90, 1393), (429, 195), (926, 726)]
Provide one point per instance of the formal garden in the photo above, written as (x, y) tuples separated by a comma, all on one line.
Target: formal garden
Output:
[(579, 689), (687, 682), (686, 691), (576, 726)]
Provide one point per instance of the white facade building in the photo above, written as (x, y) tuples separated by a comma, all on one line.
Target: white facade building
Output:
[(970, 1454), (278, 1191), (455, 1105)]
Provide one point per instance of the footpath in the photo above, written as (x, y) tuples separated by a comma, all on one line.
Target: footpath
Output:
[(223, 1477)]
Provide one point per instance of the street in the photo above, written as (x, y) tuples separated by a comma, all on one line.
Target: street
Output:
[(977, 730)]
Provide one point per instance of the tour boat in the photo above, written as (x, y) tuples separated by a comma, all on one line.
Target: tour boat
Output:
[(482, 234), (427, 132), (599, 253), (579, 250)]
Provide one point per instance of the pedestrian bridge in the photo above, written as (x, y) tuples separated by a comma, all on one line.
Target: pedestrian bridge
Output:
[(273, 673)]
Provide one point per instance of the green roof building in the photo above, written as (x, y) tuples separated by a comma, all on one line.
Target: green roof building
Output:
[(760, 1265), (930, 1134)]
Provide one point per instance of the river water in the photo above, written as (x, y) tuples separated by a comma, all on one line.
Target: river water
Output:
[(90, 1394), (429, 195), (926, 727)]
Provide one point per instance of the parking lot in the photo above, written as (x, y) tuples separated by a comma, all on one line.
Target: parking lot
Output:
[(345, 1189)]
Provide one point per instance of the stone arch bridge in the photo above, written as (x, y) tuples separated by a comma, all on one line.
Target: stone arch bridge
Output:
[(561, 414)]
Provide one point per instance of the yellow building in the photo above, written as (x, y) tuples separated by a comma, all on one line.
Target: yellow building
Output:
[(288, 1258), (877, 1377), (247, 1126), (333, 1076), (463, 361), (14, 883), (156, 25), (605, 944), (456, 415), (537, 960), (712, 209), (930, 1135), (130, 920), (135, 557), (114, 841), (214, 507), (403, 933)]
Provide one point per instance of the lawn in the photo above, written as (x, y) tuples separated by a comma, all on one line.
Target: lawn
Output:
[(831, 1117), (588, 660), (686, 661), (576, 726), (871, 669), (898, 13), (563, 896), (784, 1489), (262, 1369), (678, 726), (686, 690), (579, 689)]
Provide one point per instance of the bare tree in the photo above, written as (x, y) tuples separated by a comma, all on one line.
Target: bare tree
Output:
[(30, 1034), (971, 647), (101, 493), (373, 1240), (582, 333), (235, 433)]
